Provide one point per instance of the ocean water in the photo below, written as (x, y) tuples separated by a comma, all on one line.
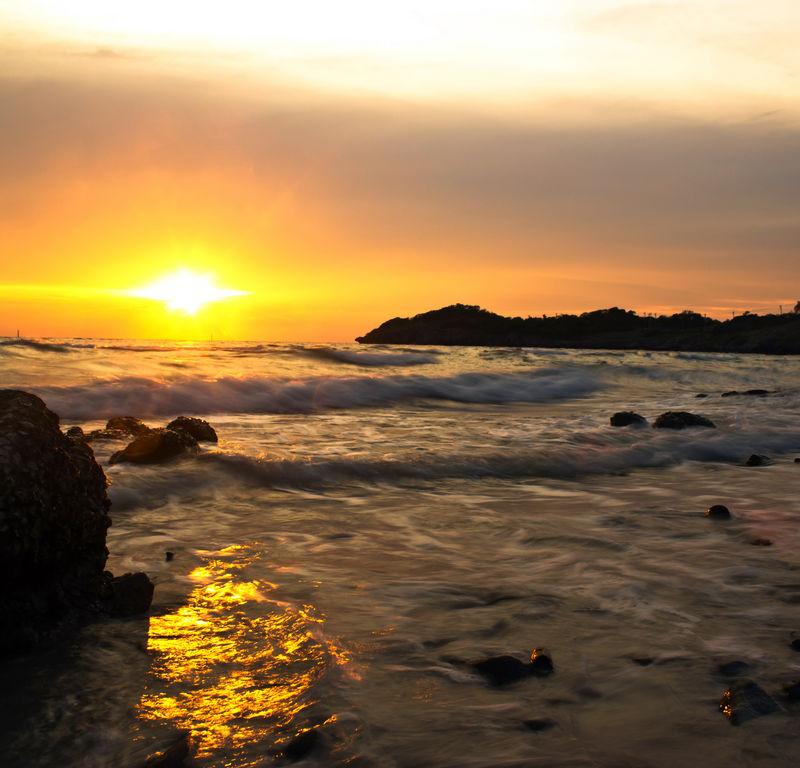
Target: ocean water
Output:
[(376, 519)]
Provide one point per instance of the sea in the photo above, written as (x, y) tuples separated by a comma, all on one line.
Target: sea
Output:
[(376, 520)]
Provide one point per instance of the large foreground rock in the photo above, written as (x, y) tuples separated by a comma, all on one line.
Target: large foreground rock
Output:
[(53, 521)]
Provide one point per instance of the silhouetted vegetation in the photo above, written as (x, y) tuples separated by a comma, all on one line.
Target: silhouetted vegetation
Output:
[(613, 328)]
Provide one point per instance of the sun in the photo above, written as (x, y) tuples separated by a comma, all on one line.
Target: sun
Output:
[(185, 291)]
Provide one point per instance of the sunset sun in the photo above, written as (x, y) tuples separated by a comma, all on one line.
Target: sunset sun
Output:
[(185, 291)]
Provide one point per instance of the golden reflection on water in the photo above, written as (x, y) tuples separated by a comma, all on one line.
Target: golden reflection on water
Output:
[(232, 665)]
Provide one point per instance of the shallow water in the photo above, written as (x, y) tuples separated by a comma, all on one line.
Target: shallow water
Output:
[(374, 519)]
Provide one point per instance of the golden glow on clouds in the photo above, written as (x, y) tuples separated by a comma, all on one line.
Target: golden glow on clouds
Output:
[(689, 52), (184, 291)]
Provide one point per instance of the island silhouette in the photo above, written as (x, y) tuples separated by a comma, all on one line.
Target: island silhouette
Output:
[(613, 328)]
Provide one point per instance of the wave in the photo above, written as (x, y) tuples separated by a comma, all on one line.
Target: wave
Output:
[(41, 346), (145, 397), (371, 359), (560, 461)]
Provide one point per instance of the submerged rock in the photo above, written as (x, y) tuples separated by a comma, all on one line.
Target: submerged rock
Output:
[(199, 429), (718, 512), (155, 447), (503, 670), (681, 420), (746, 393), (540, 724), (757, 460), (626, 418), (53, 521), (795, 644), (174, 755), (745, 700), (733, 668)]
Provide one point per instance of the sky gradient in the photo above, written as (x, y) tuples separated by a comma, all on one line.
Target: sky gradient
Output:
[(344, 163)]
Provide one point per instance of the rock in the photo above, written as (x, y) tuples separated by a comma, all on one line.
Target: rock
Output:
[(155, 447), (797, 461), (169, 555), (174, 755), (759, 542), (718, 512), (199, 429), (300, 746), (541, 663), (127, 425), (681, 420), (745, 700), (503, 670), (539, 724), (107, 434), (76, 433), (130, 594), (625, 418), (757, 460), (53, 521), (733, 668), (792, 690), (642, 661), (747, 393), (702, 394), (795, 644)]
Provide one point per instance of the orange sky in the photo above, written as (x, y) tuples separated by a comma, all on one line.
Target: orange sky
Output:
[(342, 169)]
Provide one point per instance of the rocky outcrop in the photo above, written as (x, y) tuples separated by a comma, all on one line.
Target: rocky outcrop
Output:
[(199, 429), (155, 447), (681, 420), (503, 670), (718, 512), (53, 521)]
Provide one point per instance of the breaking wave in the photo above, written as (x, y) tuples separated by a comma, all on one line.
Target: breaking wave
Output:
[(145, 397)]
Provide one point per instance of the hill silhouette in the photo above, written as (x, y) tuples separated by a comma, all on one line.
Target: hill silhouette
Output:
[(613, 328)]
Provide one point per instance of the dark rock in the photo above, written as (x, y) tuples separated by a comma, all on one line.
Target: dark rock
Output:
[(107, 434), (169, 555), (702, 394), (792, 690), (130, 594), (795, 644), (174, 755), (540, 724), (718, 512), (681, 420), (745, 700), (53, 521), (155, 447), (76, 433), (642, 661), (301, 745), (757, 460), (759, 542), (797, 461), (747, 393), (127, 425), (541, 663), (199, 429), (502, 670), (733, 668), (625, 418)]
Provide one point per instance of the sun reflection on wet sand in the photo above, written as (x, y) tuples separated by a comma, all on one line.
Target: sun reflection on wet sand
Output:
[(232, 665)]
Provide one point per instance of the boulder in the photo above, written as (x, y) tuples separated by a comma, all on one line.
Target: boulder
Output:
[(745, 700), (681, 420), (76, 433), (626, 418), (129, 594), (53, 521), (155, 447), (795, 644), (199, 429), (757, 460), (718, 512), (127, 425)]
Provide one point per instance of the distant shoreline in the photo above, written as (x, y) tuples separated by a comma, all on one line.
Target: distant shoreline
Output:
[(614, 328)]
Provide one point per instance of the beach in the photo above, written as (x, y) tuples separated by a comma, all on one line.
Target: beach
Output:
[(375, 520)]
